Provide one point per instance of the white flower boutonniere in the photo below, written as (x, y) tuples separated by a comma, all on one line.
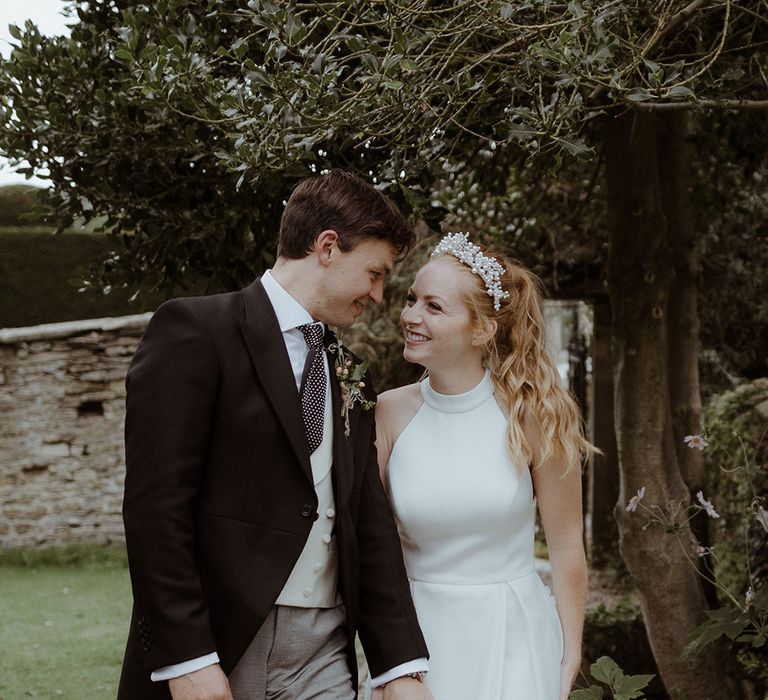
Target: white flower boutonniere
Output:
[(350, 377)]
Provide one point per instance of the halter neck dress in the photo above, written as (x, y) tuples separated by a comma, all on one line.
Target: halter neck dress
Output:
[(466, 515)]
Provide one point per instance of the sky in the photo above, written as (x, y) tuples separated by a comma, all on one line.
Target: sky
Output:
[(46, 14)]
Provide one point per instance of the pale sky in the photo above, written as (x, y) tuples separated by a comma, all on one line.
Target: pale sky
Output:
[(46, 14)]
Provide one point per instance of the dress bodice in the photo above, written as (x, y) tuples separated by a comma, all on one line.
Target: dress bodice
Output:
[(465, 509)]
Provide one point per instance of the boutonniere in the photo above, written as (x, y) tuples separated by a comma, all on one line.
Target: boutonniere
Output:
[(350, 375)]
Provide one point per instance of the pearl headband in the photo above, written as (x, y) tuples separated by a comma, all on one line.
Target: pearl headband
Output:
[(488, 268)]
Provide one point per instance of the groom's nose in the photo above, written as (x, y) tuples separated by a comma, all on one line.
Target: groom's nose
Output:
[(377, 292)]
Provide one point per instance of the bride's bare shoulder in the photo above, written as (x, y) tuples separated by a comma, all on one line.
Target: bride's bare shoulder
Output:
[(394, 410), (396, 407), (400, 398)]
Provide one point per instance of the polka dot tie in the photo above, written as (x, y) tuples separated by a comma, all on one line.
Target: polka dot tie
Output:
[(313, 385)]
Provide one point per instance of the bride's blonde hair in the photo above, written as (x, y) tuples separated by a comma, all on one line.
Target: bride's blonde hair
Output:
[(524, 375)]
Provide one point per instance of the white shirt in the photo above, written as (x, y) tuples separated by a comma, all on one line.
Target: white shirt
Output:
[(290, 314)]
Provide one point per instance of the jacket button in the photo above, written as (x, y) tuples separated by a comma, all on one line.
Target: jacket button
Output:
[(307, 510)]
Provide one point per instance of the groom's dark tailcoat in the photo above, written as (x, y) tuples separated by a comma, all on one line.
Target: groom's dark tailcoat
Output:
[(219, 498)]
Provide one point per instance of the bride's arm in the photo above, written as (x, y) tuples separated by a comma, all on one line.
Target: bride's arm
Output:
[(394, 410), (385, 411), (559, 501)]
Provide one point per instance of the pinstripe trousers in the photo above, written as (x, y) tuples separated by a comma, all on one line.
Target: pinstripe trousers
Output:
[(298, 654)]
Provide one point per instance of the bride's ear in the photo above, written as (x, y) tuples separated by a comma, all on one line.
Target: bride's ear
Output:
[(484, 331)]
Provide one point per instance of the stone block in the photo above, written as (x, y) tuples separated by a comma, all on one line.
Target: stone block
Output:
[(118, 351), (42, 358), (96, 376), (86, 474), (52, 451), (64, 436)]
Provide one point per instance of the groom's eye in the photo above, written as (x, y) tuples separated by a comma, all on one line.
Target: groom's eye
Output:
[(410, 298)]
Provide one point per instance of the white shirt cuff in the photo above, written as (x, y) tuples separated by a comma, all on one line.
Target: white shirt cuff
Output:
[(175, 670), (415, 666)]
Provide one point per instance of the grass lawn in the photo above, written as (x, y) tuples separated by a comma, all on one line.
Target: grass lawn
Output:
[(64, 615), (62, 629)]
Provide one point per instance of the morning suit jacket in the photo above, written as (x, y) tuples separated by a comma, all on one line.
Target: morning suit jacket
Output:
[(219, 496)]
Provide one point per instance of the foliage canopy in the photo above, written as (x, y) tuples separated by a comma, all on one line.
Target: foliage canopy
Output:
[(186, 123)]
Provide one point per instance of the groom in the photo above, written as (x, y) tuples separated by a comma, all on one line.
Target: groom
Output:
[(259, 537)]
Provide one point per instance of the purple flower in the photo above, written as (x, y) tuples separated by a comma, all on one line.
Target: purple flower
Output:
[(749, 597), (635, 500), (707, 506), (696, 442)]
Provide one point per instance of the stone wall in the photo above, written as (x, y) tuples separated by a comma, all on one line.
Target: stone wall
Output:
[(61, 430)]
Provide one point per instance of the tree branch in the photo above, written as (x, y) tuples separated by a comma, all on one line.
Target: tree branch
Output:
[(746, 105)]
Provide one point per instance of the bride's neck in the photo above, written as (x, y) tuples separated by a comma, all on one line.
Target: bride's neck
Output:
[(456, 381)]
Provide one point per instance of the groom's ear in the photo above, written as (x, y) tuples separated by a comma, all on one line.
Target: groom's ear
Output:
[(325, 245)]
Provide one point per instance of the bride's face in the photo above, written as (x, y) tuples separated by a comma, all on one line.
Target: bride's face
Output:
[(437, 323)]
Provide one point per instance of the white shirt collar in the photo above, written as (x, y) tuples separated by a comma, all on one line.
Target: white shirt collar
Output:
[(290, 313)]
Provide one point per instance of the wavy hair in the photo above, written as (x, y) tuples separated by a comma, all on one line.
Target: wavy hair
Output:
[(524, 375)]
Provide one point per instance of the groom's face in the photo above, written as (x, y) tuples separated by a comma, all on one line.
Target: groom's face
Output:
[(353, 279)]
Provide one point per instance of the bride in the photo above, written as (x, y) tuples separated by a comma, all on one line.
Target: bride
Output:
[(467, 455)]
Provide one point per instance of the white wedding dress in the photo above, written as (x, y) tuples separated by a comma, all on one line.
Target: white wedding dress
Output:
[(466, 518)]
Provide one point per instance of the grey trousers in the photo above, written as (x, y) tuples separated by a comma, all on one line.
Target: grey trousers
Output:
[(298, 654)]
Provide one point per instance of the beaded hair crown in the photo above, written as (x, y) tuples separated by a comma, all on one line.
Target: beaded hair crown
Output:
[(488, 268)]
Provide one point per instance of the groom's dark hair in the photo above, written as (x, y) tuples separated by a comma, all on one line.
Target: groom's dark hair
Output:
[(341, 202)]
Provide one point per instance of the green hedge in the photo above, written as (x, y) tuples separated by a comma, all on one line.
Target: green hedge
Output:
[(737, 430), (40, 274), (16, 201)]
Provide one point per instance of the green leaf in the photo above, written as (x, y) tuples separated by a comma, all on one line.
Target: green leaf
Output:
[(728, 621), (652, 66), (393, 84), (506, 10), (371, 62), (574, 147), (605, 669), (359, 371), (594, 692), (629, 687), (575, 8), (123, 55), (639, 95), (14, 31), (623, 687), (679, 91)]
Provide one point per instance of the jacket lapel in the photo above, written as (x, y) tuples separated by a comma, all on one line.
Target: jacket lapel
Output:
[(269, 356), (342, 445)]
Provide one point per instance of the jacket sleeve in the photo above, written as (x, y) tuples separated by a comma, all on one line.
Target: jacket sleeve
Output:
[(389, 629), (171, 392)]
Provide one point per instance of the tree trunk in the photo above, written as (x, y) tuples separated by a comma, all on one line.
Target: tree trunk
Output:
[(683, 316), (602, 532), (640, 279)]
